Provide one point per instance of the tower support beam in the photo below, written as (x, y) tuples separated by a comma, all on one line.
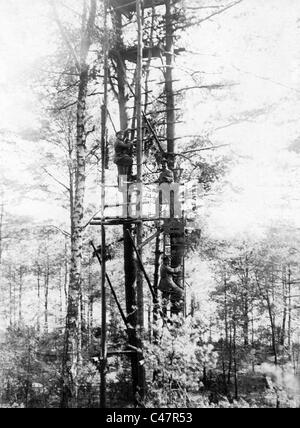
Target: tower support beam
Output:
[(103, 356), (140, 150)]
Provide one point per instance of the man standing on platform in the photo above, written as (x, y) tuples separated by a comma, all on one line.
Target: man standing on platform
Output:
[(166, 175), (123, 155)]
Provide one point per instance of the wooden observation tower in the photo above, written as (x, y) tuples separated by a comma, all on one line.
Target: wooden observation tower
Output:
[(152, 22)]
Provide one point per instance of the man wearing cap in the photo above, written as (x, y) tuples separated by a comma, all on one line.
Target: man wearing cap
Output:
[(123, 154), (166, 175)]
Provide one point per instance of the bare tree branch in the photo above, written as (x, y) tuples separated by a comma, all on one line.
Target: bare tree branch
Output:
[(64, 107), (65, 35), (56, 180), (207, 18), (205, 149), (64, 232), (209, 87), (267, 79)]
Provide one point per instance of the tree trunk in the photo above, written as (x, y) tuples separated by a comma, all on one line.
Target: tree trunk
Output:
[(90, 305), (223, 356), (66, 276), (10, 298), (131, 302), (14, 300), (139, 229), (284, 317), (225, 310), (245, 285), (229, 349), (1, 229), (139, 159), (273, 328), (39, 297), (252, 326), (72, 360), (155, 288), (73, 316), (265, 295), (289, 298), (129, 255), (171, 116), (46, 296), (121, 72), (177, 240), (61, 306), (150, 325), (236, 390), (21, 273)]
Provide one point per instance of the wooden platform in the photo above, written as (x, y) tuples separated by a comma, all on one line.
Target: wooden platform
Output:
[(118, 221), (130, 54), (127, 6)]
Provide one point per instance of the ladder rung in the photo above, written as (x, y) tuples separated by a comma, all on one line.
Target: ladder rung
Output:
[(120, 205), (131, 203), (111, 220)]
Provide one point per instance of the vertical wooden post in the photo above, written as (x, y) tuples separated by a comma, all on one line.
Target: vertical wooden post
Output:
[(129, 257), (155, 286), (169, 84), (139, 115), (103, 357), (289, 310), (176, 239), (139, 149)]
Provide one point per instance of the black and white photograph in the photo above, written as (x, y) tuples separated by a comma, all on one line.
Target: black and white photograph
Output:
[(149, 206)]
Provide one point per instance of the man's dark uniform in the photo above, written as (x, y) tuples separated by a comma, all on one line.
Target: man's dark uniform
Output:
[(123, 155), (167, 284), (166, 176)]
